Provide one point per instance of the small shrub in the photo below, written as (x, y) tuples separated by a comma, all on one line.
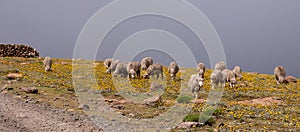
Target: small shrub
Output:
[(184, 99), (191, 118)]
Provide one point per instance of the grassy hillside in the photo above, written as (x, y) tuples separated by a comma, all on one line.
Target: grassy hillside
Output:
[(257, 102)]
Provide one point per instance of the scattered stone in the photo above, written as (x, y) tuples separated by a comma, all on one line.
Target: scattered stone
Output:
[(188, 125), (32, 90), (18, 50), (199, 101), (152, 101), (13, 76), (85, 107), (131, 115), (4, 92), (290, 79)]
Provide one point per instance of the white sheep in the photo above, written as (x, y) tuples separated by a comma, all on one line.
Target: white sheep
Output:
[(195, 84), (201, 69), (134, 69), (279, 73), (216, 78), (230, 77), (113, 66), (47, 63), (155, 69), (173, 69), (146, 62)]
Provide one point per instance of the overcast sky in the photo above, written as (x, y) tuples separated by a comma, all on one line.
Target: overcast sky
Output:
[(256, 34)]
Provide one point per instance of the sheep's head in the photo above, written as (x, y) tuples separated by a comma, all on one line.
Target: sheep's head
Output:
[(132, 73)]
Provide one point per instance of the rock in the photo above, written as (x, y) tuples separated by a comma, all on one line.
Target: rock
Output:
[(290, 79), (85, 107), (4, 92), (12, 76), (188, 125), (199, 101), (18, 50), (32, 90), (152, 101), (156, 87), (131, 115)]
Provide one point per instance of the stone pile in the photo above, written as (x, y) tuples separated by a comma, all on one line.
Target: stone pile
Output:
[(18, 50)]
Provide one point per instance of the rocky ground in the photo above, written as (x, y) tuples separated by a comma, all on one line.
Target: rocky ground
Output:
[(28, 115)]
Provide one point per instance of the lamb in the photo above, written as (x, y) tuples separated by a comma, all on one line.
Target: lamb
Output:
[(121, 69), (195, 83), (220, 66), (201, 69), (173, 69), (279, 73), (134, 69), (237, 72), (154, 69), (107, 62), (217, 77), (113, 66), (47, 63), (146, 62), (230, 77)]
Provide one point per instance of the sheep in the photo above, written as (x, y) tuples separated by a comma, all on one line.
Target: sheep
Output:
[(154, 69), (217, 77), (47, 63), (107, 62), (195, 83), (173, 69), (220, 66), (121, 69), (237, 72), (134, 69), (201, 69), (113, 66), (230, 77), (279, 73), (290, 79), (146, 62)]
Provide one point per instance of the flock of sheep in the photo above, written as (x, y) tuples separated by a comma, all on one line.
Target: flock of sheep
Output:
[(219, 76)]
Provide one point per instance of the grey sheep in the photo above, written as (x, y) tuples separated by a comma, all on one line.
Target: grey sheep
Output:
[(201, 69), (47, 63), (279, 73), (237, 72), (121, 69), (230, 77), (220, 66), (173, 69), (113, 66), (216, 78), (155, 69), (195, 84), (134, 69), (146, 62), (107, 62)]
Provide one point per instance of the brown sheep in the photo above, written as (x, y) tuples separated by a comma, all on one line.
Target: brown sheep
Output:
[(121, 69), (279, 73), (154, 69), (146, 62), (201, 69), (173, 69), (134, 69)]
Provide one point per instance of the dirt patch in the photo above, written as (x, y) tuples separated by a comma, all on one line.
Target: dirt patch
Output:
[(262, 101), (17, 115)]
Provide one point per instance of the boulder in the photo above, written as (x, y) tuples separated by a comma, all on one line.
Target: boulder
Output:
[(152, 101), (13, 76), (32, 90)]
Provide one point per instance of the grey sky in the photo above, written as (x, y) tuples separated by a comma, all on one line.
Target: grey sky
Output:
[(256, 34)]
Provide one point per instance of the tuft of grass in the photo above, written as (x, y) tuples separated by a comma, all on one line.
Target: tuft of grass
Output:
[(184, 99)]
